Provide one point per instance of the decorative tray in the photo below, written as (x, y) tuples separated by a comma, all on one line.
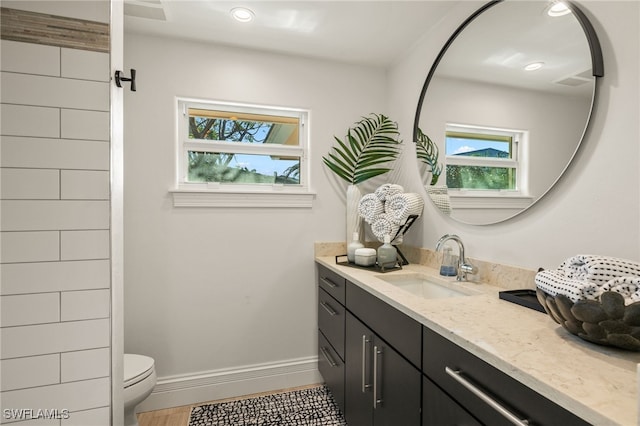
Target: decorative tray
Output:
[(523, 297), (376, 268)]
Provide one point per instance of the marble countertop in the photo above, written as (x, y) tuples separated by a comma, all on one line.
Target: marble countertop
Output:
[(597, 383)]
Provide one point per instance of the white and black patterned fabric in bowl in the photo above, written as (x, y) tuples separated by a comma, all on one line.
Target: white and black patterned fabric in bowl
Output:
[(304, 407)]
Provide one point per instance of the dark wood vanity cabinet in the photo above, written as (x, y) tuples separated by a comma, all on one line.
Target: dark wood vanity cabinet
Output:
[(368, 354), (331, 327), (489, 395), (385, 368)]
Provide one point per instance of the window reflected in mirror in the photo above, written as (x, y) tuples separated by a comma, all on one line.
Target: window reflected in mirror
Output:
[(483, 159)]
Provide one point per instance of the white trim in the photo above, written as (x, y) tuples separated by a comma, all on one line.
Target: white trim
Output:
[(489, 201), (174, 391), (276, 196), (116, 50), (453, 160)]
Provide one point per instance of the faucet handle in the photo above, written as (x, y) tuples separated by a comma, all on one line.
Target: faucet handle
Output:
[(468, 268)]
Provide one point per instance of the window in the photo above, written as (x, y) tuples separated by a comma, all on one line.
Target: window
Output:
[(226, 148), (483, 159)]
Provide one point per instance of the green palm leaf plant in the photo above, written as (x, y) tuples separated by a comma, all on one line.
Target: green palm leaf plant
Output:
[(372, 142), (427, 152)]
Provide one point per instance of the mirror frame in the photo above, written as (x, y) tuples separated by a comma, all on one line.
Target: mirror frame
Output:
[(597, 67)]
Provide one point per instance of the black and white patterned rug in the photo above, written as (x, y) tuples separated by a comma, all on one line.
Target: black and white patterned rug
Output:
[(305, 407)]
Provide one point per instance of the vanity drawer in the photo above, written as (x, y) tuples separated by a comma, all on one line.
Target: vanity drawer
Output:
[(454, 369), (331, 320), (331, 368), (331, 282), (439, 409), (400, 331)]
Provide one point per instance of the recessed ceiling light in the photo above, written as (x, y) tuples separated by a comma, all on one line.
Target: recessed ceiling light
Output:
[(558, 8), (534, 66), (242, 14)]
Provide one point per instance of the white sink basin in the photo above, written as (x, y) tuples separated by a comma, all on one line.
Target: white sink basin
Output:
[(426, 286)]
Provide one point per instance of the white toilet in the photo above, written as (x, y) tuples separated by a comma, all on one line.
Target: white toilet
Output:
[(139, 380)]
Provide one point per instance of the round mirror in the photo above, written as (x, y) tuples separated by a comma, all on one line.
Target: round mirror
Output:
[(504, 108)]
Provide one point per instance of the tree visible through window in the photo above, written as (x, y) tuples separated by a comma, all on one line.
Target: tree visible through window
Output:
[(242, 145)]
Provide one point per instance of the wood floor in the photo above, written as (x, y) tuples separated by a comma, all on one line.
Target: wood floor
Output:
[(179, 416)]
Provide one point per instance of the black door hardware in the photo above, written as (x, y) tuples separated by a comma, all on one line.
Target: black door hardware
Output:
[(120, 78)]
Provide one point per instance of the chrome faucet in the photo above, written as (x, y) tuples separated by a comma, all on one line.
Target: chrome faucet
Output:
[(464, 267)]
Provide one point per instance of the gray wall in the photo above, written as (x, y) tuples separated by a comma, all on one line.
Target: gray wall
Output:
[(216, 291)]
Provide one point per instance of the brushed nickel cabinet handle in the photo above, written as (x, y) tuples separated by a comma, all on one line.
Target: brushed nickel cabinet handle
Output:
[(328, 357), (376, 386), (364, 363), (329, 309), (457, 376), (328, 282)]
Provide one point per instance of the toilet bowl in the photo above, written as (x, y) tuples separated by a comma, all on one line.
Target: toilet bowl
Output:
[(139, 380)]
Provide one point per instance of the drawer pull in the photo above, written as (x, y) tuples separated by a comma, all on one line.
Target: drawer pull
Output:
[(376, 386), (328, 357), (328, 282), (457, 376), (364, 363), (329, 309)]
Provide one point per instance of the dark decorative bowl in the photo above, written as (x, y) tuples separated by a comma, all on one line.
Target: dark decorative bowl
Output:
[(605, 322)]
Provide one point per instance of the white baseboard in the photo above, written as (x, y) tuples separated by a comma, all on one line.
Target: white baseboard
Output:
[(174, 391)]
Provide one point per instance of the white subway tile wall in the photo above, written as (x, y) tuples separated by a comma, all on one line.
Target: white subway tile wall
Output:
[(84, 185), (89, 125), (30, 372), (49, 153), (54, 232), (23, 120), (82, 365), (30, 184)]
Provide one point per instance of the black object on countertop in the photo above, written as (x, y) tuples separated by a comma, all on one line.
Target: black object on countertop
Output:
[(523, 297), (375, 267)]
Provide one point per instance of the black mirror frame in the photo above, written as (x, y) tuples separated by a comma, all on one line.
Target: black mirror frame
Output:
[(597, 62)]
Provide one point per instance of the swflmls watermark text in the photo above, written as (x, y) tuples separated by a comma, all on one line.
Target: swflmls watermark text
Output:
[(35, 413)]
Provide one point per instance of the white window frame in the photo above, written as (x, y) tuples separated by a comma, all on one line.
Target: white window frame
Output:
[(493, 199), (215, 194)]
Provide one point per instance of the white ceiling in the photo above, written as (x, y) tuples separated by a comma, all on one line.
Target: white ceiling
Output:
[(493, 49), (363, 32)]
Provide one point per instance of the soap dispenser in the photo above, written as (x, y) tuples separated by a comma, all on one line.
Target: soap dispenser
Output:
[(353, 246), (448, 267), (387, 254)]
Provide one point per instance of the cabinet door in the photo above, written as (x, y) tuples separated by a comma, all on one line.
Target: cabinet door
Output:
[(358, 398), (396, 388), (382, 388), (439, 409)]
